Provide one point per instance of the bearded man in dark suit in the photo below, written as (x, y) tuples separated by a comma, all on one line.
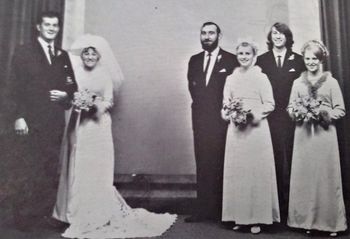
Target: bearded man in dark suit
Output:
[(42, 83), (207, 72), (282, 66)]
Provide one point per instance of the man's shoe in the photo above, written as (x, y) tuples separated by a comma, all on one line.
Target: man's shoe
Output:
[(194, 218), (53, 223)]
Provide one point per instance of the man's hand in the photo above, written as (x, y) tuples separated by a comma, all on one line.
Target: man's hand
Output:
[(57, 95), (21, 127)]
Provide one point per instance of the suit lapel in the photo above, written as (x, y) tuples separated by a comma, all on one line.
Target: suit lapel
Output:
[(272, 61), (286, 61), (216, 65), (215, 68), (199, 67), (40, 53)]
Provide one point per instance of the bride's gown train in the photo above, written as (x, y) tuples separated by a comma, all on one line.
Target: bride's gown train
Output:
[(86, 198)]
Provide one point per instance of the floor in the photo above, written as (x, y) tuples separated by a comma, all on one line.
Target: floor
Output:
[(180, 230)]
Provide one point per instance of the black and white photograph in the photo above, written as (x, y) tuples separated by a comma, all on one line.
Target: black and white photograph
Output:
[(171, 119)]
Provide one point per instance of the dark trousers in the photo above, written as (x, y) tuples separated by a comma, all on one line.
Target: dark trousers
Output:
[(282, 135), (209, 146), (34, 173)]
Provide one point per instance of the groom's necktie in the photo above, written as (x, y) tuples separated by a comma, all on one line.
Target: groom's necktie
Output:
[(51, 53)]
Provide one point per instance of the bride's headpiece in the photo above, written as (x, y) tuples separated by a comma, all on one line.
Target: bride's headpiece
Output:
[(107, 59)]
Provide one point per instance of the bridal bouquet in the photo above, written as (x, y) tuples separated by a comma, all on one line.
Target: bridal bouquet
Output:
[(306, 109), (234, 109), (84, 100)]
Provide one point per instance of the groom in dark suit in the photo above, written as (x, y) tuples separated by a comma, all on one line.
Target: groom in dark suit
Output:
[(282, 66), (42, 83), (207, 72)]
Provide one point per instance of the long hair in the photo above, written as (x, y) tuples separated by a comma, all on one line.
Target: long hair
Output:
[(284, 29)]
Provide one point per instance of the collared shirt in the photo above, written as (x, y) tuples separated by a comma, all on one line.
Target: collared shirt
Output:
[(282, 54), (45, 45), (214, 55)]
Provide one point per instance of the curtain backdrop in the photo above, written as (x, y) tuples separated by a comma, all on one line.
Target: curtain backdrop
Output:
[(335, 22), (17, 26)]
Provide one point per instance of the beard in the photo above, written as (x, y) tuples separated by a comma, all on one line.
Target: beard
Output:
[(210, 47)]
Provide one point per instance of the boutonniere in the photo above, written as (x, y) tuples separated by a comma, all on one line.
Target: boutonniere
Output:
[(219, 58), (59, 52), (69, 80), (291, 57)]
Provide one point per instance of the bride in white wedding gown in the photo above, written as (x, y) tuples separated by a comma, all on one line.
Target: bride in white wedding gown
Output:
[(86, 197)]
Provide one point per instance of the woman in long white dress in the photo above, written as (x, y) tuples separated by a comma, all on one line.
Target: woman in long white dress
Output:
[(316, 196), (86, 198), (250, 189)]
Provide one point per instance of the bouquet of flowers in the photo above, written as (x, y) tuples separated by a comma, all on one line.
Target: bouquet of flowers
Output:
[(234, 109), (84, 100), (306, 109)]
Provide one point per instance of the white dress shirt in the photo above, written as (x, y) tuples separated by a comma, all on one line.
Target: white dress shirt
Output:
[(282, 54), (213, 57), (45, 45)]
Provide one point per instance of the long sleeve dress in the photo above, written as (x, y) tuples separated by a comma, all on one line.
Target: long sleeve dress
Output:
[(250, 188), (316, 196), (86, 198)]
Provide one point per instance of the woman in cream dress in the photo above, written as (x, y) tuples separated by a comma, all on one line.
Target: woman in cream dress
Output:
[(250, 189), (316, 196)]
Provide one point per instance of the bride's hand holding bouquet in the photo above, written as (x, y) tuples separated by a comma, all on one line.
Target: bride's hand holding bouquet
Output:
[(84, 100)]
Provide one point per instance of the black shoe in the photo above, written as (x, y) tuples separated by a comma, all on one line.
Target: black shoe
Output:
[(53, 223), (194, 218)]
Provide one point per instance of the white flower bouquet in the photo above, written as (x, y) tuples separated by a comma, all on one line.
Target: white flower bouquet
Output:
[(84, 100), (305, 109), (235, 111)]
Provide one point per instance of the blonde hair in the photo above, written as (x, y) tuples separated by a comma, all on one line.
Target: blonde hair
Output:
[(317, 47)]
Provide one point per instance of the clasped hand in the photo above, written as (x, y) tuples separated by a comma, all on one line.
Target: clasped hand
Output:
[(57, 95), (21, 127)]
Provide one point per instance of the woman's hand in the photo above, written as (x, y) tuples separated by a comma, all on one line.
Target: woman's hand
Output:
[(325, 118), (225, 114), (101, 107), (253, 119)]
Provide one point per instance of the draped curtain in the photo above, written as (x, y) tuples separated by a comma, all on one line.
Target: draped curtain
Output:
[(17, 26), (335, 23)]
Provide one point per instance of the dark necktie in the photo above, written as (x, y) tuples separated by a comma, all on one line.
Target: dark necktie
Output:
[(51, 54), (207, 65), (279, 63)]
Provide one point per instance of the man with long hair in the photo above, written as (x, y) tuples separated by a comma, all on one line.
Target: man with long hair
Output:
[(282, 66)]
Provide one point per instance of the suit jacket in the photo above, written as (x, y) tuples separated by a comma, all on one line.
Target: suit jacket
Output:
[(207, 99), (281, 79), (32, 78)]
